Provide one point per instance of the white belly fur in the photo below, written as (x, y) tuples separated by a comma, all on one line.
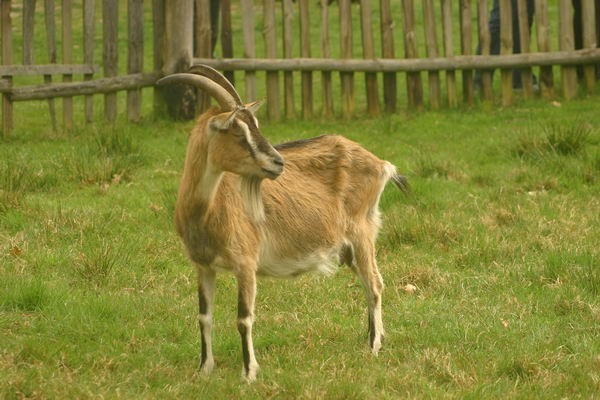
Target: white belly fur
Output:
[(325, 262)]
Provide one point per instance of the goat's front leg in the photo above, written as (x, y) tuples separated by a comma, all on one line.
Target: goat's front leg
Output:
[(206, 295), (246, 279)]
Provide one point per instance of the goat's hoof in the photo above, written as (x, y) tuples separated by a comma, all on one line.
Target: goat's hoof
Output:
[(377, 345), (207, 367), (250, 375)]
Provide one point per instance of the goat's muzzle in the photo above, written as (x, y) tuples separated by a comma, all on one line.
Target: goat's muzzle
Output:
[(275, 167)]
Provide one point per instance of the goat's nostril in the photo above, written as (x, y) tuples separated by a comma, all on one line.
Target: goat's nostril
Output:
[(278, 161)]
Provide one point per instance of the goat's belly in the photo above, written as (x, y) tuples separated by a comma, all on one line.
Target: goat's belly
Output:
[(324, 262)]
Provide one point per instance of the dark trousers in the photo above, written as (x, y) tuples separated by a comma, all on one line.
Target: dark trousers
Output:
[(494, 27)]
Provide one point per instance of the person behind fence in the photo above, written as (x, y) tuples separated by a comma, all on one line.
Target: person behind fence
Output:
[(578, 31), (494, 27)]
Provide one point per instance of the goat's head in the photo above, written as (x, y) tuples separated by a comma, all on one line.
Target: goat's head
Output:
[(235, 143)]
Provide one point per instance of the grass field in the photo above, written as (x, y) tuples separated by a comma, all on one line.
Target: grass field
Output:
[(500, 237)]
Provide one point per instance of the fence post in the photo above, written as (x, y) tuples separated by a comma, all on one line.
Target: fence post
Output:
[(50, 24), (526, 75), (347, 78), (466, 47), (506, 48), (326, 83), (589, 22), (432, 52), (543, 39), (177, 56), (7, 107), (449, 51), (247, 10), (567, 42), (414, 86), (271, 52), (305, 76), (67, 53), (202, 44), (135, 55), (158, 45), (484, 43), (369, 53), (287, 13), (110, 30), (226, 36), (387, 51), (88, 52)]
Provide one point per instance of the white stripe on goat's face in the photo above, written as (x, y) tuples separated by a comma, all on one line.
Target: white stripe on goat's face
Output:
[(236, 145)]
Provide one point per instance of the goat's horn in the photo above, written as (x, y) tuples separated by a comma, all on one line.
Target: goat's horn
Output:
[(218, 92), (218, 77)]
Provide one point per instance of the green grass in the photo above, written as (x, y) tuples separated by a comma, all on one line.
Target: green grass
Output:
[(500, 237)]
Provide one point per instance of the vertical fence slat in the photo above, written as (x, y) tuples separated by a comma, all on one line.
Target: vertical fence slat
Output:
[(526, 75), (28, 25), (369, 53), (306, 76), (567, 42), (449, 51), (271, 52), (506, 48), (589, 21), (67, 58), (88, 52), (484, 43), (467, 49), (347, 78), (226, 36), (7, 107), (288, 40), (432, 52), (50, 25), (202, 45), (110, 19), (326, 82), (387, 51), (135, 55), (543, 39), (414, 86), (158, 43), (247, 11), (178, 50)]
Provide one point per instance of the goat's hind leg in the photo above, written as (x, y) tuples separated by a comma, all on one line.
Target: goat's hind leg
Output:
[(365, 267), (206, 295)]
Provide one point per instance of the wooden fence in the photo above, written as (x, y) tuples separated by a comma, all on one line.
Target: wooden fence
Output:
[(301, 46)]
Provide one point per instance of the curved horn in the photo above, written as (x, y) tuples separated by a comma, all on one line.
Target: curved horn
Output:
[(219, 78), (219, 93)]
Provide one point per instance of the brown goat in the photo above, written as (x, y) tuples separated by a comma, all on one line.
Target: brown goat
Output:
[(317, 212)]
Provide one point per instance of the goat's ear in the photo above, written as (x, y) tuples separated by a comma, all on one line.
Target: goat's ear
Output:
[(254, 106), (224, 121)]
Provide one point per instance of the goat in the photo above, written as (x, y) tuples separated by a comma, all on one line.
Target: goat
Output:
[(239, 210)]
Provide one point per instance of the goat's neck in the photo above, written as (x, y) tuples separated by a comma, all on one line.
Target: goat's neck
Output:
[(201, 179)]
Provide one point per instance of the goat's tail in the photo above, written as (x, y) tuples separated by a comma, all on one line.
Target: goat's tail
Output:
[(399, 180)]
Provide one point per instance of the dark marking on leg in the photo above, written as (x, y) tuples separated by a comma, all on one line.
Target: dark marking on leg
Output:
[(243, 329), (371, 330), (243, 310), (203, 352), (202, 303)]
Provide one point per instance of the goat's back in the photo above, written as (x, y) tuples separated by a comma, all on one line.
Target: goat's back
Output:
[(330, 187)]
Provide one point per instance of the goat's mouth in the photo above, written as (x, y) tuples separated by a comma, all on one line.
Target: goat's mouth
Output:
[(272, 173)]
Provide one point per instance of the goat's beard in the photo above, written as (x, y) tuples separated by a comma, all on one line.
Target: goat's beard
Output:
[(250, 191)]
